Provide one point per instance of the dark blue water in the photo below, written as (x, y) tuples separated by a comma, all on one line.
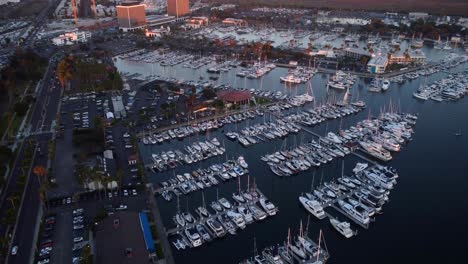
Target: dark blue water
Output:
[(424, 221)]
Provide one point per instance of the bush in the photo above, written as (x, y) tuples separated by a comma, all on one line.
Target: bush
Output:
[(21, 108)]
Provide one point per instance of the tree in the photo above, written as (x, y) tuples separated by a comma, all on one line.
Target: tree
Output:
[(5, 154), (21, 108), (40, 172), (12, 200), (208, 93), (65, 71)]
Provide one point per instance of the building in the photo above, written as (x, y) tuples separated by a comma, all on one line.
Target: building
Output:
[(157, 32), (408, 57), (355, 53), (235, 97), (196, 22), (124, 237), (159, 20), (119, 109), (131, 16), (178, 8), (71, 38), (377, 64), (417, 15), (235, 22)]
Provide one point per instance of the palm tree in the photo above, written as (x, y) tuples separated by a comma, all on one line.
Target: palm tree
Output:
[(12, 199)]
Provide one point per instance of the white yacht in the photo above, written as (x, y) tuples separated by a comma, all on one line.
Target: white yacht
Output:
[(376, 150), (269, 207), (361, 216), (290, 79), (343, 227), (385, 84), (313, 207), (237, 219), (193, 237)]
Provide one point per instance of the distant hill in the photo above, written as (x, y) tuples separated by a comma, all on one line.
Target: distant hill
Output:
[(445, 7)]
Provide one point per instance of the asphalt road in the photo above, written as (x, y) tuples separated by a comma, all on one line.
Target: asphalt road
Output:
[(43, 114)]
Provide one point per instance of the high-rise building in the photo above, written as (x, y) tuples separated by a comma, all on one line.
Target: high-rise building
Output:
[(178, 8), (131, 16)]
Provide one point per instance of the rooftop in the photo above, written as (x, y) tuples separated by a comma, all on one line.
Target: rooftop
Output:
[(378, 61), (234, 96), (111, 242)]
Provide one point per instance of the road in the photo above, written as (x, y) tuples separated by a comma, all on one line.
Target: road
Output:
[(44, 112)]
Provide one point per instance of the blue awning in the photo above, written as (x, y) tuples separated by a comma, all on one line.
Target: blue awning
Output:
[(145, 227)]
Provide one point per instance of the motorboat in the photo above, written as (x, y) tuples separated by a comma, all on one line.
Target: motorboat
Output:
[(216, 227), (269, 207), (225, 203), (313, 207), (343, 228)]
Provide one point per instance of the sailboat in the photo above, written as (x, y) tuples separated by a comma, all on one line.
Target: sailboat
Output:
[(439, 44), (179, 218), (447, 45)]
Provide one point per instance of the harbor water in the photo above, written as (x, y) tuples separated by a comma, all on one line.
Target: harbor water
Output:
[(422, 223)]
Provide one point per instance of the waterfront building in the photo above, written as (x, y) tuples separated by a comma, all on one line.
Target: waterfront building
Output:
[(178, 8), (131, 16), (71, 38), (355, 53), (417, 15), (377, 64), (408, 57), (234, 22), (235, 97), (196, 22)]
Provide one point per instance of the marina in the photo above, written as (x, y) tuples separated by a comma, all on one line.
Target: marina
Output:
[(225, 218), (401, 86), (203, 178)]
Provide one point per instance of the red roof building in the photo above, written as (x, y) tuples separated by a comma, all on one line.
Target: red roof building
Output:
[(235, 97)]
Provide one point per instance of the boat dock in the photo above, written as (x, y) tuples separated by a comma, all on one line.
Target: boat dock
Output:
[(159, 191), (202, 220), (352, 151)]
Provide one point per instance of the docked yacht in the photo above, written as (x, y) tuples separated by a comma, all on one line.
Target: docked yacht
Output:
[(193, 237), (360, 216), (343, 227), (225, 203), (246, 214), (312, 206), (290, 79), (376, 150), (237, 219), (385, 84), (201, 229), (216, 227), (269, 207)]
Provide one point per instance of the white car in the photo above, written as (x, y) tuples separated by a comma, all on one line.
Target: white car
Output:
[(134, 192), (77, 239), (121, 207), (14, 250), (109, 194), (43, 261), (76, 227), (125, 192), (78, 211)]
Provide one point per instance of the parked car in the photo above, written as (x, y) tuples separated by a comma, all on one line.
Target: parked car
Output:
[(14, 250)]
